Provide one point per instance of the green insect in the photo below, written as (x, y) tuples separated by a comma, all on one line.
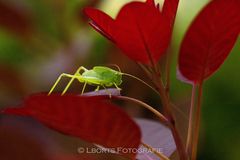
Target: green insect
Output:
[(99, 76)]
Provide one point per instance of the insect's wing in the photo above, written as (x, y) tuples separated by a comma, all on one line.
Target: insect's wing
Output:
[(90, 74), (103, 70), (107, 74), (91, 77)]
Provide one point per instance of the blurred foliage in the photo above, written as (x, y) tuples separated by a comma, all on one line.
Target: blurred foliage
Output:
[(60, 40)]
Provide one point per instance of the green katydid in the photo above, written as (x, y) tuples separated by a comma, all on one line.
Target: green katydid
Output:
[(99, 76)]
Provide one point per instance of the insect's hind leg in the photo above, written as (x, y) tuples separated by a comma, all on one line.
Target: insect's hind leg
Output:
[(97, 89), (77, 73), (58, 80), (110, 94), (117, 87)]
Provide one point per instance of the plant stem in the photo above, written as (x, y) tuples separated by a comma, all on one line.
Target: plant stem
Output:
[(156, 78), (168, 69), (197, 123), (159, 154), (166, 105), (145, 69), (179, 144), (161, 117), (190, 121)]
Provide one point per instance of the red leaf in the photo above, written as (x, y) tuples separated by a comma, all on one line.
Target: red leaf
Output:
[(151, 2), (19, 146), (102, 22), (170, 10), (15, 20), (89, 118), (209, 39), (73, 157), (140, 29)]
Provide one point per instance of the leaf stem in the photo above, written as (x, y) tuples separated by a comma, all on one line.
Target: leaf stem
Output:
[(190, 121), (161, 117), (166, 105), (168, 69), (145, 69), (159, 154), (197, 123)]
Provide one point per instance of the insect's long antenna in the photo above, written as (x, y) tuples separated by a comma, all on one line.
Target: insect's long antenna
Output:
[(116, 67), (132, 76), (176, 108)]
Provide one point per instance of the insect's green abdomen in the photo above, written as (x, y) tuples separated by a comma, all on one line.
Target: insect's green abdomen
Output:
[(108, 75)]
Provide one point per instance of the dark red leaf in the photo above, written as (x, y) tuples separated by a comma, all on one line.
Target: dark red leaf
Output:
[(140, 37), (73, 157), (14, 19), (90, 118), (151, 2), (16, 145), (170, 10), (209, 39), (140, 29), (20, 130), (102, 22)]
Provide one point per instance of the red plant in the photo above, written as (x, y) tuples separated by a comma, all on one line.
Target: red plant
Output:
[(209, 40), (141, 30), (205, 47), (89, 118)]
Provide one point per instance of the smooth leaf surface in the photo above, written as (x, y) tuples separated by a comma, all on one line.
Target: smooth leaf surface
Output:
[(15, 145), (170, 11), (156, 135), (102, 22), (56, 146), (209, 39), (140, 29), (89, 118)]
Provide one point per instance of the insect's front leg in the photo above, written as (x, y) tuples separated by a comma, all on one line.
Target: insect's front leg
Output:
[(58, 80), (77, 73), (83, 89)]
